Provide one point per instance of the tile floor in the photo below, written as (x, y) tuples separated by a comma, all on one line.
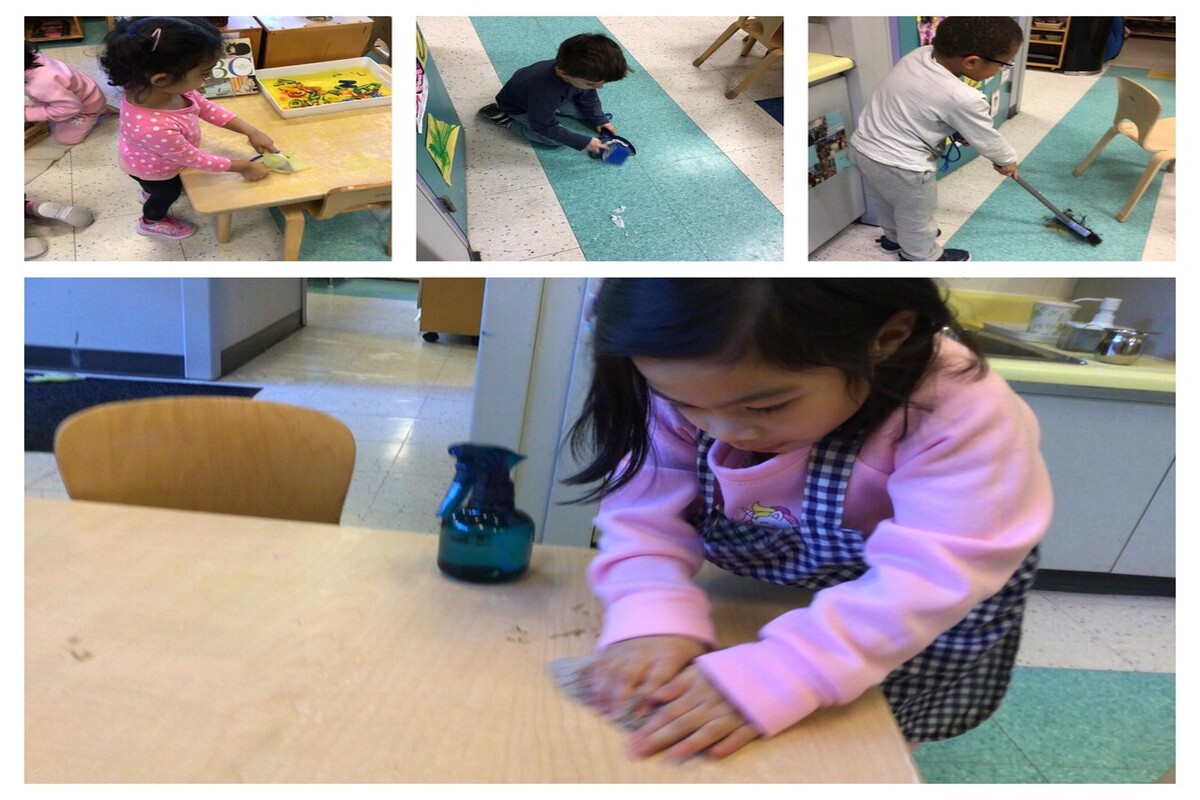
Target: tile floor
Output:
[(518, 213), (362, 359), (1047, 96), (87, 175)]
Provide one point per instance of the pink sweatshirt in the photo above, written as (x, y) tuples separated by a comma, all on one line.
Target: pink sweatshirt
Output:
[(60, 92), (950, 512), (156, 145)]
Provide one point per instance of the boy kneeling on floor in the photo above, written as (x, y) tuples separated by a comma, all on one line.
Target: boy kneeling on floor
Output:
[(565, 85)]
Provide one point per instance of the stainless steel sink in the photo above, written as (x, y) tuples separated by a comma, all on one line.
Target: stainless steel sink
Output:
[(996, 346)]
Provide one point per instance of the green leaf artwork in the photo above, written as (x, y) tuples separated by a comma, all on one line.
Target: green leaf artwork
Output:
[(440, 140)]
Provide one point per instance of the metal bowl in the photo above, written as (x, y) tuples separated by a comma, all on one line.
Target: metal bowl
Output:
[(1122, 346)]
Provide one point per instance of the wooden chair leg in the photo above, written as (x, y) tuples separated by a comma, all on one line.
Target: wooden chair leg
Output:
[(1151, 170), (747, 45), (1087, 161), (769, 59), (293, 232), (715, 46)]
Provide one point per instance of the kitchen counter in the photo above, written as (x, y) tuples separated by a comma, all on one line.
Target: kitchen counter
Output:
[(822, 66), (1151, 376)]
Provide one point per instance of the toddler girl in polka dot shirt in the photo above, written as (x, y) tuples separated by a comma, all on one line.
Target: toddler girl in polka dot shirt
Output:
[(161, 63)]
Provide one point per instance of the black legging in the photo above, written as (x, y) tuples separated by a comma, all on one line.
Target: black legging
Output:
[(162, 195)]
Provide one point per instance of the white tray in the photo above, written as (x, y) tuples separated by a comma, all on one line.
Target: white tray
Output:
[(381, 72)]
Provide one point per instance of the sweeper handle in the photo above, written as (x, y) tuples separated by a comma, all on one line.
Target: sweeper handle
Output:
[(1061, 216)]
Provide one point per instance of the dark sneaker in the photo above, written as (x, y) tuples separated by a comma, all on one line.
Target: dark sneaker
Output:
[(493, 112), (888, 246), (949, 254)]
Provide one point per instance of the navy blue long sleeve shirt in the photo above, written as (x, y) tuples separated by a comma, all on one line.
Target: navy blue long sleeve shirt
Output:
[(537, 92)]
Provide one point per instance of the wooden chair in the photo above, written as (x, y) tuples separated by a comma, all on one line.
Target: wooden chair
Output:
[(1138, 111), (381, 38), (337, 201), (231, 455), (767, 31)]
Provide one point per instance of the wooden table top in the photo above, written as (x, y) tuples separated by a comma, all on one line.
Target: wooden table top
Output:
[(346, 148), (171, 646)]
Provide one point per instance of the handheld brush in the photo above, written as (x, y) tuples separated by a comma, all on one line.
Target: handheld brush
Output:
[(1069, 222)]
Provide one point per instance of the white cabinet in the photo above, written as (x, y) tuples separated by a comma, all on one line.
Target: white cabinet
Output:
[(1151, 549), (1111, 463)]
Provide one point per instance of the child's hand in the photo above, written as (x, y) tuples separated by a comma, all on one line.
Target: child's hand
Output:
[(693, 717), (1008, 170), (596, 146), (636, 667), (261, 142), (608, 126), (255, 171)]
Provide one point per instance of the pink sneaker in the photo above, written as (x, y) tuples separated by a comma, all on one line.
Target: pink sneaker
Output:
[(168, 227), (143, 196)]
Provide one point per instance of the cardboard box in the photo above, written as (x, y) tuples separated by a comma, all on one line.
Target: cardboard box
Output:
[(299, 40)]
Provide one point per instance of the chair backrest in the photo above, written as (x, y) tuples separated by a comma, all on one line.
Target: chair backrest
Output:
[(350, 198), (1137, 104), (233, 455), (772, 27)]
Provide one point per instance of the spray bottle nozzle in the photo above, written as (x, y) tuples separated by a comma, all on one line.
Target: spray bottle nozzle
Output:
[(481, 471)]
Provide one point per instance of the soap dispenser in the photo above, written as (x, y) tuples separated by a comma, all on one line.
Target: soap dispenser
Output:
[(484, 538), (1104, 316), (1083, 337)]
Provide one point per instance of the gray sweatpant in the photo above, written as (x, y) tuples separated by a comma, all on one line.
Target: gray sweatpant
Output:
[(907, 202)]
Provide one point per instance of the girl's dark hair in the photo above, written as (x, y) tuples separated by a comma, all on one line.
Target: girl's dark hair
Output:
[(991, 37), (31, 54), (592, 57), (792, 323), (137, 48)]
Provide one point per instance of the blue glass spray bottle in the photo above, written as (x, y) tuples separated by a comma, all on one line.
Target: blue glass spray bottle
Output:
[(484, 538)]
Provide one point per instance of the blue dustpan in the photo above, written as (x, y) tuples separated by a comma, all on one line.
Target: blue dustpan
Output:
[(619, 148)]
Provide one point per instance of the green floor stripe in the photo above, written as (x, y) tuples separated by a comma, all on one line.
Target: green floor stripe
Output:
[(349, 236), (684, 200), (1013, 226), (1065, 726)]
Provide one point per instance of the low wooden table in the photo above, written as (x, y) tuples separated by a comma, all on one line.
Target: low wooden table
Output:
[(170, 646), (346, 148)]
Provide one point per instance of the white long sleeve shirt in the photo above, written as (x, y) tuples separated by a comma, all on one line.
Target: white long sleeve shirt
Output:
[(914, 109)]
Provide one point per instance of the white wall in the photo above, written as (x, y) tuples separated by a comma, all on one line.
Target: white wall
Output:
[(137, 315), (195, 318), (531, 367)]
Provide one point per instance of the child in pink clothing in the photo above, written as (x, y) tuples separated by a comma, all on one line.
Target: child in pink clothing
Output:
[(161, 62), (820, 433), (61, 95)]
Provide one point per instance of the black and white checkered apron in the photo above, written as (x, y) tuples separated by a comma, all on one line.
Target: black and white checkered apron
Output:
[(945, 690)]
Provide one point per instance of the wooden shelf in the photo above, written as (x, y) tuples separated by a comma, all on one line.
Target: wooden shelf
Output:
[(74, 29), (1049, 54), (1153, 27)]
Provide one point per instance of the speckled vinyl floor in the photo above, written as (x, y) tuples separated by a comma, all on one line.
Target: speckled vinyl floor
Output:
[(87, 176), (1061, 119), (705, 185)]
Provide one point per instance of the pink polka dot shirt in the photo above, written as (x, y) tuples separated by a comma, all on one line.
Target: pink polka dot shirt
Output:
[(157, 144)]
